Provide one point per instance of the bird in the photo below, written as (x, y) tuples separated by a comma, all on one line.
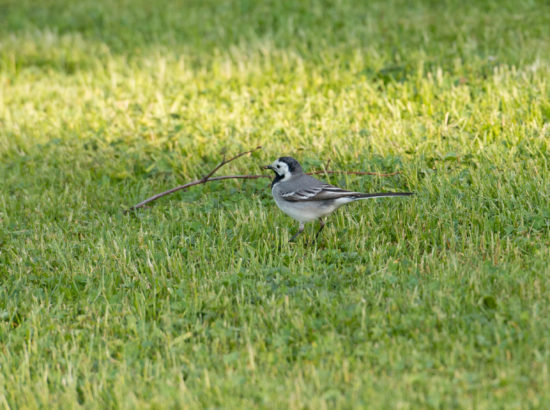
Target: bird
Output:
[(307, 199)]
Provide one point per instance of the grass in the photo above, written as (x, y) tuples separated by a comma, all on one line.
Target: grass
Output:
[(439, 301)]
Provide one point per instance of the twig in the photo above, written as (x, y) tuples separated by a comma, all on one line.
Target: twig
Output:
[(224, 161), (203, 180), (354, 173), (208, 177)]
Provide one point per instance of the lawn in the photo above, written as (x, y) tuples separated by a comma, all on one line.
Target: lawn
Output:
[(441, 300)]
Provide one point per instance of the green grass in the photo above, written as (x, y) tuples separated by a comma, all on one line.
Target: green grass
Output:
[(439, 301)]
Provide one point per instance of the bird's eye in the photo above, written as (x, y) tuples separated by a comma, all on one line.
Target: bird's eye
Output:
[(278, 166)]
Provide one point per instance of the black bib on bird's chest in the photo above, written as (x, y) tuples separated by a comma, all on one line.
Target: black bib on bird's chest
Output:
[(276, 179)]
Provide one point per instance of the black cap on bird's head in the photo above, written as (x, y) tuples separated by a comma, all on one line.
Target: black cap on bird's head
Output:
[(285, 165), (293, 165)]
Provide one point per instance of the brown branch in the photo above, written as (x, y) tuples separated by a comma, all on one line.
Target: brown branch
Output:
[(208, 177), (203, 180), (224, 161), (326, 171), (354, 173)]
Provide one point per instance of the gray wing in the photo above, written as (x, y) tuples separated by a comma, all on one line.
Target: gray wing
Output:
[(307, 188)]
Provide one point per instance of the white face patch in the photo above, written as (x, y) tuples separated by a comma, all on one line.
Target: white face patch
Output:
[(281, 168)]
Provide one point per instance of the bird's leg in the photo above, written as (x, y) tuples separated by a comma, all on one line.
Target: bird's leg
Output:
[(300, 230), (322, 223)]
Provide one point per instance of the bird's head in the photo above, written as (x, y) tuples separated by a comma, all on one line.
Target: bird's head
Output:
[(285, 168)]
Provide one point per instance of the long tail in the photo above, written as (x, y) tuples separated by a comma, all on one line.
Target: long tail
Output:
[(382, 195)]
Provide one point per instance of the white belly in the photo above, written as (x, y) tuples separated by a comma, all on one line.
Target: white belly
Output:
[(308, 211)]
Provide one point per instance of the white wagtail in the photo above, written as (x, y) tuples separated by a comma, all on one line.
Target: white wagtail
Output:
[(305, 198)]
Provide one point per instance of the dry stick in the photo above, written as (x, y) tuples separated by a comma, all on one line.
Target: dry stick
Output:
[(203, 180), (354, 173), (224, 161), (208, 178)]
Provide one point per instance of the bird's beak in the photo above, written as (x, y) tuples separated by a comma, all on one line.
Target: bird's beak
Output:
[(267, 167)]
